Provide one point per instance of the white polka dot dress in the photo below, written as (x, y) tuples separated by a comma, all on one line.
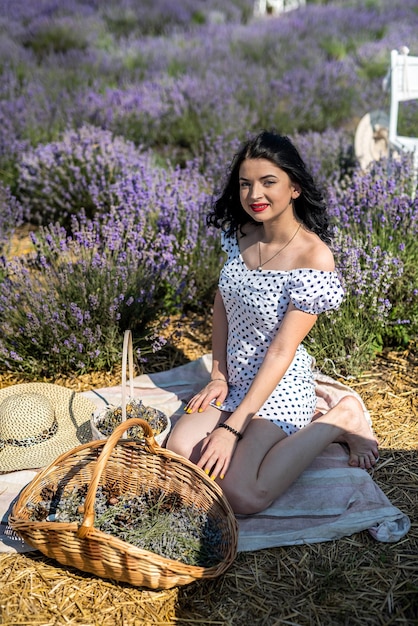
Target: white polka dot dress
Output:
[(255, 302)]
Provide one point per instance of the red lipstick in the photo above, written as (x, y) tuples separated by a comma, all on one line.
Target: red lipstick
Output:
[(257, 208)]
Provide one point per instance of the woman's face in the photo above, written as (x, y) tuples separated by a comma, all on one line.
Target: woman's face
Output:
[(266, 191)]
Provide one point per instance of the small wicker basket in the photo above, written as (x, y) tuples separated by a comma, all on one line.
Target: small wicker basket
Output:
[(96, 420), (136, 466)]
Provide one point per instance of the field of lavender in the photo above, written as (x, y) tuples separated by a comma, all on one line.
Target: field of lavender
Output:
[(117, 122)]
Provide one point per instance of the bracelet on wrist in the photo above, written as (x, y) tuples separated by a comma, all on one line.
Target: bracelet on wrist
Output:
[(231, 430)]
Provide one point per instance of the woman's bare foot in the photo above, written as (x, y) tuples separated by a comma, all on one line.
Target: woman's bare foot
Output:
[(359, 436)]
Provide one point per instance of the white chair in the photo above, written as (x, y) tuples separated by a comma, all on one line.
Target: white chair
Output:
[(377, 133), (403, 87), (275, 7)]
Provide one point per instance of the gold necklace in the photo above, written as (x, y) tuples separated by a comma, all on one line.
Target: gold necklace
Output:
[(260, 265)]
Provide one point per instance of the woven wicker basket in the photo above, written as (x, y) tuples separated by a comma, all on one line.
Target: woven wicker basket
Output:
[(137, 467)]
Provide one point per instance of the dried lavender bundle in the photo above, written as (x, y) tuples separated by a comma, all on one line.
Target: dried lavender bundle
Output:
[(154, 521), (112, 417)]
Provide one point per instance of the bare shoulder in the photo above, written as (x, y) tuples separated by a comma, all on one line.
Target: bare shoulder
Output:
[(314, 253)]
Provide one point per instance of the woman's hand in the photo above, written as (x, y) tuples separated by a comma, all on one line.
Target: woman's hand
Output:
[(217, 451), (216, 390)]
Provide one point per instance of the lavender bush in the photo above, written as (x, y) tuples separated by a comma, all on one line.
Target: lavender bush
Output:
[(174, 203), (64, 307), (346, 342), (11, 217), (308, 70), (117, 121), (329, 155), (376, 252), (61, 308), (156, 17), (383, 213), (59, 36), (59, 179)]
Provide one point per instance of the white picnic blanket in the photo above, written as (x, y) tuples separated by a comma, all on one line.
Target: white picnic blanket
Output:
[(330, 500)]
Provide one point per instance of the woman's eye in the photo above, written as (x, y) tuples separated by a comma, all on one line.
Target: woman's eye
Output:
[(244, 185), (268, 183)]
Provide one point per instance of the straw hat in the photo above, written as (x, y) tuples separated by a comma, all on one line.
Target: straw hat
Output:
[(39, 422)]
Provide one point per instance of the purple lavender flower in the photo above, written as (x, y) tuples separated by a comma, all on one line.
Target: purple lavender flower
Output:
[(11, 216), (59, 179)]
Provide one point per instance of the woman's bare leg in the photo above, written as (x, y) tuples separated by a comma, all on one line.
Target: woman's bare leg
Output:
[(262, 469), (187, 436), (267, 461)]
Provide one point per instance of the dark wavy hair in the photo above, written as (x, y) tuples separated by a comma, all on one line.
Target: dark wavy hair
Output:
[(227, 212)]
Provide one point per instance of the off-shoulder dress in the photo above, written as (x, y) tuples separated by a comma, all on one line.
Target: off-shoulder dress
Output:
[(255, 302)]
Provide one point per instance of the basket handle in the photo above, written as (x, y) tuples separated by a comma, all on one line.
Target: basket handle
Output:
[(127, 355), (88, 522)]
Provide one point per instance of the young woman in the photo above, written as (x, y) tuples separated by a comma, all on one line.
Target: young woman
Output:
[(254, 426)]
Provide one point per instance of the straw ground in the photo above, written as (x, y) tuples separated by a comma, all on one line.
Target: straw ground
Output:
[(354, 581)]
